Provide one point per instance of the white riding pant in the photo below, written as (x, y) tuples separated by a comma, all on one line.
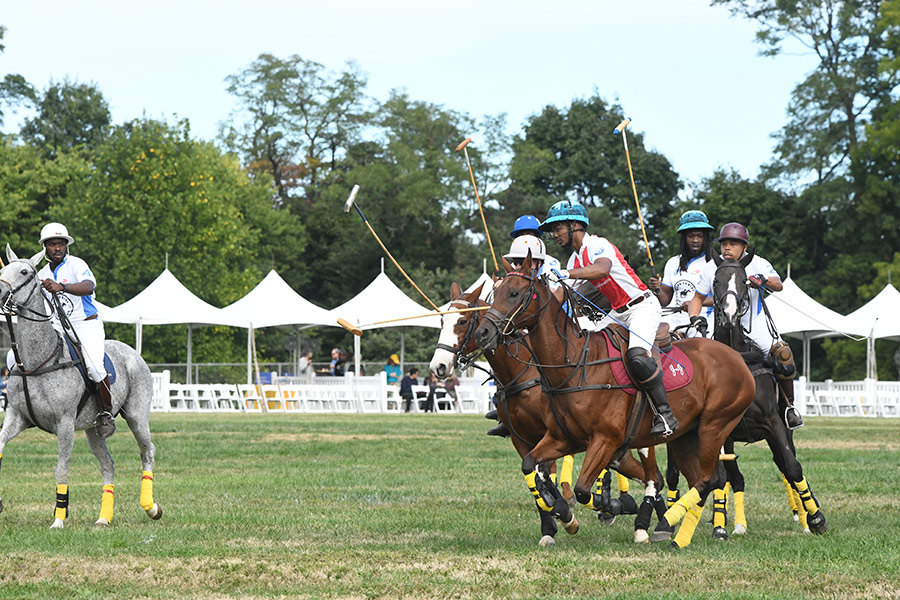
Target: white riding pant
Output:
[(760, 336), (93, 340), (642, 321)]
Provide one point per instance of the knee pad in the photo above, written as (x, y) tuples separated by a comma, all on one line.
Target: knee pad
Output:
[(643, 367), (784, 360)]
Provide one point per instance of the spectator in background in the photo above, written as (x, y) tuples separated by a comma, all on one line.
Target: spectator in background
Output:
[(392, 368), (305, 368), (335, 358), (406, 388), (350, 363)]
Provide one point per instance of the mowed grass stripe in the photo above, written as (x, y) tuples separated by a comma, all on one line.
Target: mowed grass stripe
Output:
[(420, 506)]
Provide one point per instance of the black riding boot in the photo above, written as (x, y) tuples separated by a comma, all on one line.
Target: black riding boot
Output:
[(500, 430), (105, 425), (791, 414), (650, 378)]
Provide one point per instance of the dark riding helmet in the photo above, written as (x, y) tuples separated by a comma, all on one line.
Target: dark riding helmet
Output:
[(526, 224), (734, 231), (565, 210), (694, 219)]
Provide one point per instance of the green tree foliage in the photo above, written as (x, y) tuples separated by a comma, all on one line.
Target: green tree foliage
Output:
[(294, 120), (70, 115), (572, 153)]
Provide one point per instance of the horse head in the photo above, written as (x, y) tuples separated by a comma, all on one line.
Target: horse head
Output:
[(731, 293), (15, 278), (513, 307), (456, 344)]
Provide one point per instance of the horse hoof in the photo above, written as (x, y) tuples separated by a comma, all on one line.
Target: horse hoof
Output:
[(58, 524), (796, 517), (674, 546), (547, 540), (101, 523), (641, 536), (719, 533), (806, 531), (817, 523), (663, 532), (629, 506), (155, 513), (572, 526), (606, 518), (739, 529)]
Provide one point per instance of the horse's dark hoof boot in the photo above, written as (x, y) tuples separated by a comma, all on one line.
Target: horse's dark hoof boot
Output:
[(606, 518), (105, 425), (499, 430), (663, 532), (719, 533), (793, 418), (492, 415), (817, 523), (629, 506)]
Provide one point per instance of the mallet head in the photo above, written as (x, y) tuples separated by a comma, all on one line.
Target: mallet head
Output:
[(352, 198), (622, 126), (347, 324), (463, 144)]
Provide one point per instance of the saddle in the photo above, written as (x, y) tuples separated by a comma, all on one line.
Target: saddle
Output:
[(76, 359), (678, 371)]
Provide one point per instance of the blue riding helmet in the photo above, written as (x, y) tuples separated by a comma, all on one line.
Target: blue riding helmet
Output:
[(565, 210), (525, 224), (694, 219)]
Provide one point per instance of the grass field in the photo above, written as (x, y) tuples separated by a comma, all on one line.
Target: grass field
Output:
[(420, 506)]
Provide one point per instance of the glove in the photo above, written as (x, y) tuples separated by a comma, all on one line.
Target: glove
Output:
[(557, 276), (757, 281), (700, 324)]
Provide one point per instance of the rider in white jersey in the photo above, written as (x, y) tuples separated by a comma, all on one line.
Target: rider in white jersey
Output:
[(598, 261), (734, 240), (73, 282), (682, 272)]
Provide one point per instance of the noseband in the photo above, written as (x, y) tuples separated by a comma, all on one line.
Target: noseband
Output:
[(742, 299), (504, 323)]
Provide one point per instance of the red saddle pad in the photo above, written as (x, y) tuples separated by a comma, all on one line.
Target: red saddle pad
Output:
[(676, 367)]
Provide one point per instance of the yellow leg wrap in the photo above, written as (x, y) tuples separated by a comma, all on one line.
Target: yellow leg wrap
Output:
[(530, 481), (147, 490), (740, 515), (600, 479), (719, 499), (565, 474), (62, 501), (806, 497), (672, 497), (680, 508), (622, 482), (106, 503), (686, 531), (793, 498), (553, 478)]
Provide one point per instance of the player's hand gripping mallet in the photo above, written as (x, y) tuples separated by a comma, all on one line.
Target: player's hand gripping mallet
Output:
[(351, 201), (616, 131), (462, 146)]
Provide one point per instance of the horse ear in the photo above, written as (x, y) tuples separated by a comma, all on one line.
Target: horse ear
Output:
[(476, 294), (526, 264), (747, 258), (717, 259), (37, 258), (10, 255), (455, 290), (509, 268)]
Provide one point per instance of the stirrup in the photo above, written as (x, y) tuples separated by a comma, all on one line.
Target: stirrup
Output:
[(104, 424), (791, 410), (667, 429)]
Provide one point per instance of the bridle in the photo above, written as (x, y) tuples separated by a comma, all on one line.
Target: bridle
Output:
[(505, 322), (10, 307), (741, 298), (463, 360)]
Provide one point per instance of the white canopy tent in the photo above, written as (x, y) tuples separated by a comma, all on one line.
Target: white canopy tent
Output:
[(274, 303), (878, 319), (382, 300), (166, 301), (796, 314)]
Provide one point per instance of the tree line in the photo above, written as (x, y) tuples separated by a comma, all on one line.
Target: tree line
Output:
[(269, 191)]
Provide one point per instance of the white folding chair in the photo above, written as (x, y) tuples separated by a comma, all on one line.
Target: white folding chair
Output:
[(293, 397), (249, 396)]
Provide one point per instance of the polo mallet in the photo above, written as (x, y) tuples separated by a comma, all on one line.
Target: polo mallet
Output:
[(462, 146), (616, 131), (358, 331), (351, 201)]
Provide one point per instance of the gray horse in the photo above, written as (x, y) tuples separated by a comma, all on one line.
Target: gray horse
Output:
[(56, 389)]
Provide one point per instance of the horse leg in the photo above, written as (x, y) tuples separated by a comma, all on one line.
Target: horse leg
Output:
[(792, 469), (796, 506), (565, 478), (65, 438), (13, 425), (107, 471), (545, 493), (736, 479), (141, 430), (693, 459), (672, 476)]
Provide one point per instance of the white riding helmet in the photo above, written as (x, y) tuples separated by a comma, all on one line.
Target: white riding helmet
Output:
[(522, 244), (56, 230)]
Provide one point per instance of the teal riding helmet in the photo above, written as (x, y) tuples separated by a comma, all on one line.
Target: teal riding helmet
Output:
[(565, 210), (694, 219)]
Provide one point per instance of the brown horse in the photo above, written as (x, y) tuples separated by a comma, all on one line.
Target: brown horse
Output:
[(525, 410), (592, 416)]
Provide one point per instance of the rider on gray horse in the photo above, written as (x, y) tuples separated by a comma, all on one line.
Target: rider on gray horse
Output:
[(72, 280), (597, 260)]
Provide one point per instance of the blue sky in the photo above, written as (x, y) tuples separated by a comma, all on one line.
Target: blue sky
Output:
[(688, 74)]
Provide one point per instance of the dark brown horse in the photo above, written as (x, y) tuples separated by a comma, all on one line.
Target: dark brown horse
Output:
[(595, 420), (763, 419), (525, 408)]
